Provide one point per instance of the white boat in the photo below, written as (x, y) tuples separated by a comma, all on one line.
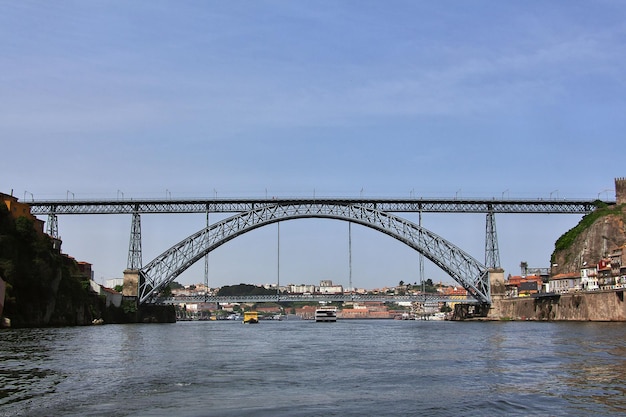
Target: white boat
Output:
[(326, 315), (432, 317), (437, 316)]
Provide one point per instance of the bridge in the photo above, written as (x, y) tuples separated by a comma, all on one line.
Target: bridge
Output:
[(53, 208), (420, 298), (253, 213)]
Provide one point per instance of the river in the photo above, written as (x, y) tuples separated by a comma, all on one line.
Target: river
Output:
[(302, 368)]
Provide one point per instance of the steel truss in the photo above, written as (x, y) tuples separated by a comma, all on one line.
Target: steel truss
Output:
[(246, 204), (134, 246), (462, 267), (53, 225), (419, 298), (492, 253)]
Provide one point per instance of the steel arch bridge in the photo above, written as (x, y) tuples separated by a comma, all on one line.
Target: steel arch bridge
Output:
[(462, 267)]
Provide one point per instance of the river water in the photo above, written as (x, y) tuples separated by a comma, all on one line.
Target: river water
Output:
[(302, 368)]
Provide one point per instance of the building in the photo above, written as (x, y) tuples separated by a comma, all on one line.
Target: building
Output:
[(111, 297), (301, 289), (17, 209), (620, 190), (114, 282), (523, 286), (561, 283), (589, 278), (306, 312), (267, 310), (327, 287), (618, 261), (85, 270)]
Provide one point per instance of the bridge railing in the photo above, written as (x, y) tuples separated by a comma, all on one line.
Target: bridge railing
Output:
[(418, 298)]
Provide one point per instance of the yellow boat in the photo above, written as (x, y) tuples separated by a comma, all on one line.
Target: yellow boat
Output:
[(250, 317)]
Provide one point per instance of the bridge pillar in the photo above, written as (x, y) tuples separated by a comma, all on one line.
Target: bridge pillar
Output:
[(498, 290), (131, 283)]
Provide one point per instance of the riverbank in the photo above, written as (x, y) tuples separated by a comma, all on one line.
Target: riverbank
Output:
[(602, 306)]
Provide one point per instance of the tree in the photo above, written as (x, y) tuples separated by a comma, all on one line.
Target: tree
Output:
[(244, 289), (175, 285), (166, 292)]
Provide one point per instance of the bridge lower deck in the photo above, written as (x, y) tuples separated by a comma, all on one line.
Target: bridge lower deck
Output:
[(419, 298)]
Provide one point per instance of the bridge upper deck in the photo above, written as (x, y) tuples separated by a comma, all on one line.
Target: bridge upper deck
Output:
[(237, 205)]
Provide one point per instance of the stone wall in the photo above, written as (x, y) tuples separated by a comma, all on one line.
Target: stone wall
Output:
[(592, 306), (131, 283), (620, 190)]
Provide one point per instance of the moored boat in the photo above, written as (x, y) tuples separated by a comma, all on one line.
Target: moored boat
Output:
[(250, 317), (326, 315)]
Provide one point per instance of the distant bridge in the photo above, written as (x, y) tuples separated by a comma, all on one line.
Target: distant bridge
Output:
[(420, 298)]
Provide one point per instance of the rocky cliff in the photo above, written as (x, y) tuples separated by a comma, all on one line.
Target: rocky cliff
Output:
[(595, 236)]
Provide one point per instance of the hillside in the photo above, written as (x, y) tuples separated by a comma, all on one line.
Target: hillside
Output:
[(43, 287), (595, 236)]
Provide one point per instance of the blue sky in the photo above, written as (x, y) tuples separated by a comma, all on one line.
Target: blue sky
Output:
[(147, 99)]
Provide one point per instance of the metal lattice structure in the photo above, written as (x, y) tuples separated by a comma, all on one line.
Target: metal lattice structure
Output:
[(53, 225), (389, 205), (418, 298), (459, 265), (492, 253), (134, 246)]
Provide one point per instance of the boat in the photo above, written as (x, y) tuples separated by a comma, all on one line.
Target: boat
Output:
[(434, 317), (250, 317), (326, 315)]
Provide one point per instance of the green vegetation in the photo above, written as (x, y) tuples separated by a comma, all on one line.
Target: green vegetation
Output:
[(429, 286), (44, 288), (568, 238), (31, 269), (176, 286), (244, 289)]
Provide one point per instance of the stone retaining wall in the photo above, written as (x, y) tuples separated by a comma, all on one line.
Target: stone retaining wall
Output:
[(588, 306)]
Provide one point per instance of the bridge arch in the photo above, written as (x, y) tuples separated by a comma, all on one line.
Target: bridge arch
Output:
[(461, 266)]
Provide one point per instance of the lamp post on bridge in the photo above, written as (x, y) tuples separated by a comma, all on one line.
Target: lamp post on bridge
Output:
[(604, 191)]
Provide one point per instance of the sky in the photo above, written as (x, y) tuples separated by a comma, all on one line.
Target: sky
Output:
[(191, 99)]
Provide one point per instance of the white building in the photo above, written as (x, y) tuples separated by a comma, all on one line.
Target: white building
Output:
[(330, 289), (301, 288), (113, 282), (589, 278), (112, 297)]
